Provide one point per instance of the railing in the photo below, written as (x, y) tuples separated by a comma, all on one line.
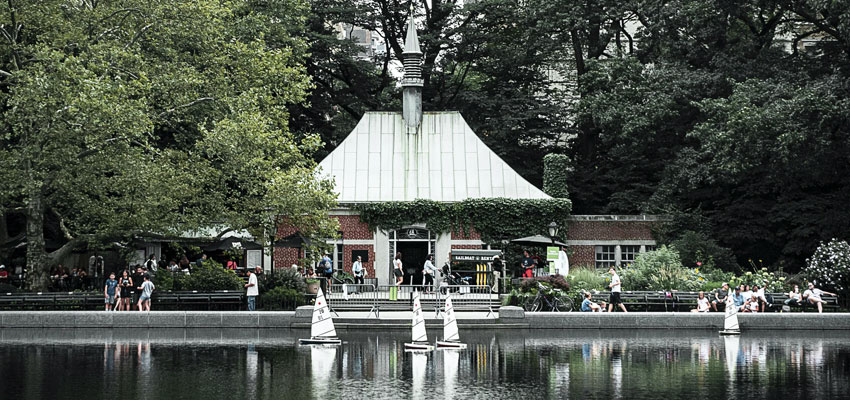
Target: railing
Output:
[(400, 298), (194, 300)]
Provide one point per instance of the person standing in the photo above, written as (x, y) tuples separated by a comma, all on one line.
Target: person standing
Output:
[(616, 288), (397, 271), (498, 271), (429, 269), (528, 265), (147, 289), (562, 265), (358, 271), (326, 269), (126, 285), (109, 291), (252, 289)]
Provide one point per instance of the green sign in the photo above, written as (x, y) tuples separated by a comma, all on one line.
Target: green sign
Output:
[(551, 253)]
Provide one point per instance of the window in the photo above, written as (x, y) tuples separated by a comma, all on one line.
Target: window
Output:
[(650, 248), (628, 254), (338, 251), (605, 256)]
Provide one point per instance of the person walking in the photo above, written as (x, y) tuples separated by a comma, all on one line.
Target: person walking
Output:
[(147, 289), (616, 288), (429, 269), (109, 291), (358, 271), (252, 289), (397, 271)]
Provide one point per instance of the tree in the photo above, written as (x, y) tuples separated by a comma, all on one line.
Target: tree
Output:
[(131, 117)]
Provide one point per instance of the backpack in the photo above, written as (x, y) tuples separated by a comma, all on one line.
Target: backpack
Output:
[(329, 269)]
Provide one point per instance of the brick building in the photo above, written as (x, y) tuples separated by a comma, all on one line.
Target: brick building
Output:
[(392, 156)]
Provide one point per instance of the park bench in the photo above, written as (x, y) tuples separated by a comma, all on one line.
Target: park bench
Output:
[(223, 300)]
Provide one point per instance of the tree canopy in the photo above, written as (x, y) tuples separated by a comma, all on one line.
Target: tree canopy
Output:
[(121, 118)]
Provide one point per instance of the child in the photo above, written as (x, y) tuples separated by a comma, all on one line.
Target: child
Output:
[(147, 289), (109, 291)]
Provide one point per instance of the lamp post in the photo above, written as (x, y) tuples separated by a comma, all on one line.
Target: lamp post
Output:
[(553, 231)]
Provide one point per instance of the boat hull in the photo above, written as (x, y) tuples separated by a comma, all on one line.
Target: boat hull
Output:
[(730, 332), (450, 345), (418, 347), (325, 341)]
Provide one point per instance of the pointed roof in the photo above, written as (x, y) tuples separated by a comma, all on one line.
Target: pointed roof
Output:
[(445, 162), (411, 43)]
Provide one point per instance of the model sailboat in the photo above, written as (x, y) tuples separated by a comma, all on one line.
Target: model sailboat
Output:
[(451, 338), (420, 337), (730, 322), (322, 329)]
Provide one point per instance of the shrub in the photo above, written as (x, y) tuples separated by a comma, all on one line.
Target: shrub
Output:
[(775, 282), (662, 270), (553, 281), (698, 250), (164, 280), (286, 278), (586, 279), (282, 298), (7, 288), (209, 276), (829, 267)]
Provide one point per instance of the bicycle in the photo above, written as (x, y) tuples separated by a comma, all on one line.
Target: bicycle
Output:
[(548, 300)]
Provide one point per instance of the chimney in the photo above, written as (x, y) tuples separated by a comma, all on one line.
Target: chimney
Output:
[(412, 81)]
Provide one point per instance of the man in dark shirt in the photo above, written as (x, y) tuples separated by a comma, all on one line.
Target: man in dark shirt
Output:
[(527, 264), (138, 276), (720, 296)]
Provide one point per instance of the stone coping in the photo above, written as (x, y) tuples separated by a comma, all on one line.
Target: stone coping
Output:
[(507, 318)]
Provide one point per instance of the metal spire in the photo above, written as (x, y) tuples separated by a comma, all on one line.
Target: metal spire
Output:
[(412, 82)]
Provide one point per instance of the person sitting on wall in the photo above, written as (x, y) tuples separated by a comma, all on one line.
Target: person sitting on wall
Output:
[(720, 296), (587, 305), (702, 303)]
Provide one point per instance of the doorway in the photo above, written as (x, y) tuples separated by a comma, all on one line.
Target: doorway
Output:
[(413, 259)]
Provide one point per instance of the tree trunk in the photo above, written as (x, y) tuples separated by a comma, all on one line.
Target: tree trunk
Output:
[(36, 255)]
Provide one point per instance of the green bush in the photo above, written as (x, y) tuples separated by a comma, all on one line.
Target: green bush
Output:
[(698, 250), (661, 270), (586, 279), (775, 281), (286, 278), (282, 298), (164, 280), (7, 288), (209, 276), (556, 168)]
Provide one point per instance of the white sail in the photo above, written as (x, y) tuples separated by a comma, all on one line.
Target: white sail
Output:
[(321, 366), (419, 334), (450, 332), (450, 364), (323, 324), (730, 322), (733, 344)]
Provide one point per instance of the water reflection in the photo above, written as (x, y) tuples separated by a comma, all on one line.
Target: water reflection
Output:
[(507, 364)]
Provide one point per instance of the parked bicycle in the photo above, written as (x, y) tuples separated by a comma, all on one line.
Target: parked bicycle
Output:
[(548, 299)]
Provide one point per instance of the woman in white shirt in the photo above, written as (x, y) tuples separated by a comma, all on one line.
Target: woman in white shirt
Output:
[(702, 303), (397, 271)]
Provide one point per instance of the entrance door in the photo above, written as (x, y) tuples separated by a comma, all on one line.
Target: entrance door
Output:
[(413, 259)]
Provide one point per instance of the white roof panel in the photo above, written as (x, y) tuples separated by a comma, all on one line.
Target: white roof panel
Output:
[(444, 161)]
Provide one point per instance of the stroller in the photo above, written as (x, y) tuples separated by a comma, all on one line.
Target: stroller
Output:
[(451, 279)]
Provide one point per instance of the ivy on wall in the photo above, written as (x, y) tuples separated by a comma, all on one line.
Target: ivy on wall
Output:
[(495, 219), (555, 170)]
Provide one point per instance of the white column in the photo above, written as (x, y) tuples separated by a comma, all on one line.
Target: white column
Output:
[(382, 257), (618, 255)]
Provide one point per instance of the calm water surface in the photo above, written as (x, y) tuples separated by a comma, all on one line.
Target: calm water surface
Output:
[(214, 364)]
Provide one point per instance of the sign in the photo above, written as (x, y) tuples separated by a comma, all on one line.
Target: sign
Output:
[(551, 253), (474, 256)]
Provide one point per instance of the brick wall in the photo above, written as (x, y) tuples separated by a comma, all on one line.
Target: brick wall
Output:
[(609, 230), (284, 257), (584, 256), (353, 228)]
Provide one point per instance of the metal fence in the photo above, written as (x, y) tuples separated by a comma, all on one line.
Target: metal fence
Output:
[(375, 299)]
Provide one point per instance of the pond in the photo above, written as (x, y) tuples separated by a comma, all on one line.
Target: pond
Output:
[(213, 364)]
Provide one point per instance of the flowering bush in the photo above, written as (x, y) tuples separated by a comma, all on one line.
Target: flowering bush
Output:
[(771, 281), (829, 266)]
